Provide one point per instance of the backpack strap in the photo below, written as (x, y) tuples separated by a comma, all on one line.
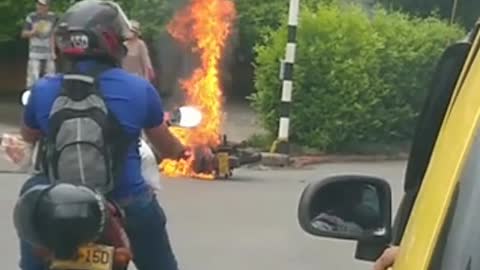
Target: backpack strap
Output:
[(117, 135)]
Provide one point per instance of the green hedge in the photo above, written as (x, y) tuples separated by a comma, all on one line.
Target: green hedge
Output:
[(356, 80)]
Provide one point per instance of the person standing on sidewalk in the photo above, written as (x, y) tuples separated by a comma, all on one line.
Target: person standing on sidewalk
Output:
[(138, 60), (38, 29)]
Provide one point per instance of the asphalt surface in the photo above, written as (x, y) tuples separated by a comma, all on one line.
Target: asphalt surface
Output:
[(248, 222)]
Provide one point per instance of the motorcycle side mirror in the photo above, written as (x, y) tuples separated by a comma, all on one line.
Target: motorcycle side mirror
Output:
[(25, 97), (186, 117)]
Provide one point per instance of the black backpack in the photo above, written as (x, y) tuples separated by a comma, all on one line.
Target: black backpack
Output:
[(85, 144)]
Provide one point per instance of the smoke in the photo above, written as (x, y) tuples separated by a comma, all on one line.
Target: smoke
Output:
[(174, 61)]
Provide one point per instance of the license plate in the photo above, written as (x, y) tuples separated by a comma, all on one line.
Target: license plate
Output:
[(223, 164), (92, 257)]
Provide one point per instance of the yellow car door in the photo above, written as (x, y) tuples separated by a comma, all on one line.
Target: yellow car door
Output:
[(446, 167), (440, 231)]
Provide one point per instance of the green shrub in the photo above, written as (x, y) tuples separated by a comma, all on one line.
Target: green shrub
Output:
[(255, 19), (356, 80)]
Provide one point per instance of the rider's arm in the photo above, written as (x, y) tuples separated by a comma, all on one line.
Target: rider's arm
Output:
[(165, 142), (30, 129), (157, 131)]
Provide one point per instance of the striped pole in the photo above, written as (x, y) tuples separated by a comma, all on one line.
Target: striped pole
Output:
[(454, 11), (281, 145)]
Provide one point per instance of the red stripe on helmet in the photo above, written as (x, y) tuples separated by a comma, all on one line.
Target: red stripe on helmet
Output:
[(76, 51)]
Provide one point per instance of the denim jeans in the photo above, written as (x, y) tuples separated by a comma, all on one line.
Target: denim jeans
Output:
[(145, 226)]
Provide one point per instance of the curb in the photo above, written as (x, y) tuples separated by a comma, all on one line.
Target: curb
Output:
[(282, 160), (274, 159), (302, 161)]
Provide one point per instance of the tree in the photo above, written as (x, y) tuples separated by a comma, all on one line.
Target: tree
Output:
[(357, 79), (467, 11), (13, 13), (153, 14)]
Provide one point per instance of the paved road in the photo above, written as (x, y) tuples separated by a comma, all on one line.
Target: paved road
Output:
[(246, 223)]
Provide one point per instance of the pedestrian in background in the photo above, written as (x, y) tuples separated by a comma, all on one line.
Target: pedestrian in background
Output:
[(138, 60), (38, 29)]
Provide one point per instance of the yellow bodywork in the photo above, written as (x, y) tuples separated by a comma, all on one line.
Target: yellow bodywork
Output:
[(448, 158)]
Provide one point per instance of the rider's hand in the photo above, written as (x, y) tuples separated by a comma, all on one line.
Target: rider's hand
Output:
[(203, 158), (167, 118), (387, 259)]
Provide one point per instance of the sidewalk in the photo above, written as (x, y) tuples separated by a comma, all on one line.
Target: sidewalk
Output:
[(240, 121)]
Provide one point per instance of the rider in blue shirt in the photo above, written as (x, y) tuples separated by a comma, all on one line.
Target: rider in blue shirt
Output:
[(136, 105), (134, 101)]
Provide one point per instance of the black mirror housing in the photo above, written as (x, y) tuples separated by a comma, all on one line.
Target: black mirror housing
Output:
[(349, 207)]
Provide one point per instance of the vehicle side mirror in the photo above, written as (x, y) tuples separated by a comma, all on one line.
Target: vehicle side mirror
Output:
[(349, 207)]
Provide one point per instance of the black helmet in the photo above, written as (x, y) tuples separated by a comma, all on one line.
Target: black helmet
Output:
[(60, 217), (93, 28), (24, 213)]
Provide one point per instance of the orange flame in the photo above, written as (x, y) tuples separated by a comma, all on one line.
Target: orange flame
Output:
[(205, 26)]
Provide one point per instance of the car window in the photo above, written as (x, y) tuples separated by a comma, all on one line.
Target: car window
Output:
[(433, 112), (427, 129), (459, 243)]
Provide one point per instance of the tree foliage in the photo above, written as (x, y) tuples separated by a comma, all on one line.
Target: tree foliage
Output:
[(256, 18), (13, 13), (153, 14), (357, 79), (468, 11)]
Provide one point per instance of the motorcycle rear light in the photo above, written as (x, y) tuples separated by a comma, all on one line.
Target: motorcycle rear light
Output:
[(122, 257)]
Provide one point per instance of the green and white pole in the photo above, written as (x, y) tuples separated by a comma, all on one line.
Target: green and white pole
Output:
[(281, 145)]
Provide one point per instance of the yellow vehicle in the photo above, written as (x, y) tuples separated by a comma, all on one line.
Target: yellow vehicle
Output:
[(437, 225)]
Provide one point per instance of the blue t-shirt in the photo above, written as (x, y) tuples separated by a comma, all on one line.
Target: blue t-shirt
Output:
[(134, 102)]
